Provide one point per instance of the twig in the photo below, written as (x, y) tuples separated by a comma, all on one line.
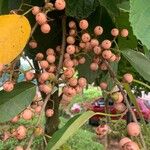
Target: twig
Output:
[(113, 75), (62, 46), (57, 75), (33, 29)]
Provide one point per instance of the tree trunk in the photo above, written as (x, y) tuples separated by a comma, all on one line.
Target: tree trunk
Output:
[(52, 123)]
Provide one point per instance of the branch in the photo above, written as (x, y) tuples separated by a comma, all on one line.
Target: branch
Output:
[(57, 76), (63, 46), (113, 75)]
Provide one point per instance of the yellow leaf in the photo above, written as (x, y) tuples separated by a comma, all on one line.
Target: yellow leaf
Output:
[(14, 34)]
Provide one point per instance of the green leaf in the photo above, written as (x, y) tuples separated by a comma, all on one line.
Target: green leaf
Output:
[(85, 71), (124, 6), (147, 52), (7, 5), (140, 20), (12, 103), (111, 7), (62, 135), (139, 61), (80, 8), (122, 21)]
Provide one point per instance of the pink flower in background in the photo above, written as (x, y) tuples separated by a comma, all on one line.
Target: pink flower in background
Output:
[(76, 108)]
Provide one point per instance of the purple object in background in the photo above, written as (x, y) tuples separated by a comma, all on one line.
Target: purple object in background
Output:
[(144, 109)]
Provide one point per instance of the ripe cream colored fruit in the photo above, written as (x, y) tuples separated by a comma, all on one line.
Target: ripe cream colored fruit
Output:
[(82, 82), (94, 66), (52, 68), (41, 18), (72, 32), (44, 76), (82, 60), (69, 72), (70, 49), (35, 10), (68, 63), (39, 56), (94, 42), (120, 107), (45, 28), (106, 44), (38, 109), (44, 64), (124, 33), (112, 58), (97, 50), (102, 130), (117, 97), (50, 51), (123, 141), (18, 148), (82, 45), (133, 129), (71, 92), (98, 30), (107, 54), (115, 32), (85, 37), (131, 146), (73, 81), (49, 112), (46, 88), (33, 44), (128, 78), (88, 46), (66, 98), (75, 61), (27, 114), (8, 86), (60, 4), (15, 119), (21, 132), (78, 89), (67, 56), (72, 25), (51, 58), (103, 85), (83, 24), (70, 40), (29, 75)]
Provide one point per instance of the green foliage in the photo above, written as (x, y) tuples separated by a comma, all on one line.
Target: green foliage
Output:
[(84, 138), (16, 101), (140, 18), (80, 8), (111, 7), (139, 62), (85, 71), (63, 134), (122, 22)]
